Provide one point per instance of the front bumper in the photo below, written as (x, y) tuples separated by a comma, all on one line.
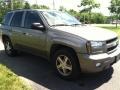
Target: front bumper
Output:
[(88, 62)]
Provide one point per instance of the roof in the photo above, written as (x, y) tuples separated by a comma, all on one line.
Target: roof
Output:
[(32, 10)]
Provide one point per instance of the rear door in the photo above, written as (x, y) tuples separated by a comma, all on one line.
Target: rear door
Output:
[(16, 24)]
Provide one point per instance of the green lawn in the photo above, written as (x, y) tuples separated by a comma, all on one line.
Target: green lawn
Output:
[(10, 81), (110, 27)]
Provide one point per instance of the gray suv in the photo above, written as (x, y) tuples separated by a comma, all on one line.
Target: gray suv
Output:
[(57, 36)]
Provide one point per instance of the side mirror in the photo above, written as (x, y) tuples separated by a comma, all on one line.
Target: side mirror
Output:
[(2, 23), (37, 26)]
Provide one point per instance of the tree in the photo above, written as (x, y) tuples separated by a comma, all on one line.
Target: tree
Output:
[(18, 4), (6, 6), (36, 6), (72, 12), (43, 7), (88, 5), (115, 8), (27, 5), (98, 18), (61, 8)]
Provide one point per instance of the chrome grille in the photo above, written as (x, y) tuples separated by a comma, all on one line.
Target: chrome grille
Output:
[(112, 44)]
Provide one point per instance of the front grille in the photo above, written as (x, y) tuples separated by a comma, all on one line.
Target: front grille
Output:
[(112, 44), (111, 40), (111, 48)]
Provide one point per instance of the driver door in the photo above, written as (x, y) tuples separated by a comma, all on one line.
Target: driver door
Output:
[(33, 40)]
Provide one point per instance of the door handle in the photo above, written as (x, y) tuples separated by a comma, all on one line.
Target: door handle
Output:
[(27, 34)]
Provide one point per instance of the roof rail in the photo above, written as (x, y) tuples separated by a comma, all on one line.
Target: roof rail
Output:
[(19, 9)]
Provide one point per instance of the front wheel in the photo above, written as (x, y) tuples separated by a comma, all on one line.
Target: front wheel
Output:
[(9, 50), (66, 64)]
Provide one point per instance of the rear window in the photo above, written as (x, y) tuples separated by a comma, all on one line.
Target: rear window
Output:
[(7, 18)]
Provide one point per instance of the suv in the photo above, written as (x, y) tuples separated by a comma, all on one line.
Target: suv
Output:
[(71, 46)]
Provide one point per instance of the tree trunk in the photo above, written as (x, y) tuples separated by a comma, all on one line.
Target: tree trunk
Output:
[(116, 20), (89, 17)]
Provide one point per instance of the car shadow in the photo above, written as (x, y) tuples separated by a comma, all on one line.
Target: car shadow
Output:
[(40, 71)]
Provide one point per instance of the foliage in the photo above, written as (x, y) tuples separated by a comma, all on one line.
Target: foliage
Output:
[(72, 12), (84, 17), (62, 8), (98, 18), (115, 6), (6, 6), (27, 5), (88, 5), (18, 4), (36, 6), (10, 81), (95, 18), (43, 7)]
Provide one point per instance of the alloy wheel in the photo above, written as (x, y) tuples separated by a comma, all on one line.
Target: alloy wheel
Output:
[(64, 65)]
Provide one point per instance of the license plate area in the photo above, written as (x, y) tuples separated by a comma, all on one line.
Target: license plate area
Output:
[(117, 58)]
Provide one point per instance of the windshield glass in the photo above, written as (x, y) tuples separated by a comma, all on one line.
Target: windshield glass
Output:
[(55, 18)]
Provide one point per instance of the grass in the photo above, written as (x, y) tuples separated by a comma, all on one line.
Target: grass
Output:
[(10, 81), (110, 27)]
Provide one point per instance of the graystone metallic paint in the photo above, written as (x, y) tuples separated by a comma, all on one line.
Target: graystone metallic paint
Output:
[(40, 42)]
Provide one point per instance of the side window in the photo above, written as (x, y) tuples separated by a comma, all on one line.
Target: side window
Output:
[(7, 18), (17, 19), (31, 17)]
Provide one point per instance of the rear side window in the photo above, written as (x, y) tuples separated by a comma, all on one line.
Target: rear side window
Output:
[(31, 17), (17, 19), (7, 18)]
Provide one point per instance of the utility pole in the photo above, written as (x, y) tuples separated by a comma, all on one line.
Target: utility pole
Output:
[(117, 7), (53, 4), (36, 2), (11, 2)]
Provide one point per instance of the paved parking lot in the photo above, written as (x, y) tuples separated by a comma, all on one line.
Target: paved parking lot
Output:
[(42, 76)]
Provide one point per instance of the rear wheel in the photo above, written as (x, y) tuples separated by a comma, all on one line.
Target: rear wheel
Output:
[(9, 50), (66, 64)]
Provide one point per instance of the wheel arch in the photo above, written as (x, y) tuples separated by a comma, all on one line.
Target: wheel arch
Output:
[(5, 37), (56, 47)]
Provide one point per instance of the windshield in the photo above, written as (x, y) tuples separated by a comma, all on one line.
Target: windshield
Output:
[(57, 18)]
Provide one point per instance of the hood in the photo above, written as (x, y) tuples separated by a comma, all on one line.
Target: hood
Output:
[(88, 32)]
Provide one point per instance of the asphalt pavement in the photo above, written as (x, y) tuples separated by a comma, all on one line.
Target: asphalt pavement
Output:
[(41, 76)]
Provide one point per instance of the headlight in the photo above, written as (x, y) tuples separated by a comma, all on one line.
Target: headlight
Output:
[(96, 44), (95, 47)]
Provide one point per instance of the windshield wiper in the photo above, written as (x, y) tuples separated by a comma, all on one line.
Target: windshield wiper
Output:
[(60, 25), (75, 24)]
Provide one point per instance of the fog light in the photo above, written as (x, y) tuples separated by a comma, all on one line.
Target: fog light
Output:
[(98, 64)]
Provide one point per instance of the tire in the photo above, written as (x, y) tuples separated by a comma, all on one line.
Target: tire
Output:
[(68, 68), (9, 50)]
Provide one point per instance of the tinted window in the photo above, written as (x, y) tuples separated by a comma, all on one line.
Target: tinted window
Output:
[(7, 18), (17, 19), (31, 17)]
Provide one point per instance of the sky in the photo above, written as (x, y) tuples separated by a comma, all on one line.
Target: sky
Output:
[(72, 4)]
